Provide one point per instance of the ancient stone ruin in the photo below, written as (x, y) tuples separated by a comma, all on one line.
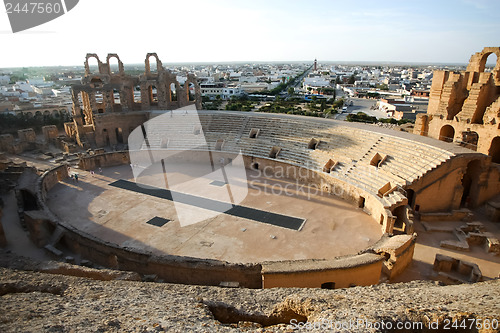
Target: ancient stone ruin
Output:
[(465, 107), (108, 105)]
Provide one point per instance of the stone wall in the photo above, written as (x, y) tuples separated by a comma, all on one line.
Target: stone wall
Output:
[(50, 132), (344, 272), (110, 118), (72, 303), (360, 269), (93, 162), (465, 107)]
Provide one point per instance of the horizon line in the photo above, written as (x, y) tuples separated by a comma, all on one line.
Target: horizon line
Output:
[(329, 62)]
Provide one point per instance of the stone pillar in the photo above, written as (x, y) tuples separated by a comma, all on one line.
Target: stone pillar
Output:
[(108, 100)]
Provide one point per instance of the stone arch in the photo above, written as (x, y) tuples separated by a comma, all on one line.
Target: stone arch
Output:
[(188, 84), (159, 65), (484, 60), (478, 60), (119, 135), (447, 133), (87, 66), (172, 92), (470, 182), (121, 70), (152, 94), (137, 93), (470, 139), (494, 150)]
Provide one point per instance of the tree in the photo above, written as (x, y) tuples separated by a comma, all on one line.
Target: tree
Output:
[(352, 79), (323, 105), (291, 91)]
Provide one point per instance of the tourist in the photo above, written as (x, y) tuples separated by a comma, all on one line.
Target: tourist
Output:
[(76, 177)]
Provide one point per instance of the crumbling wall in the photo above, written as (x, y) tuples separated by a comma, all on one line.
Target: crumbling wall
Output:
[(92, 162), (104, 92), (469, 101), (50, 132), (27, 135)]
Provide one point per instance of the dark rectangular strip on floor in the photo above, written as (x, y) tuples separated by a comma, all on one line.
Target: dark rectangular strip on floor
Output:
[(158, 221), (217, 183), (258, 215)]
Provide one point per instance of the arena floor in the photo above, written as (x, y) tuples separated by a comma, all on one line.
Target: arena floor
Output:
[(332, 227)]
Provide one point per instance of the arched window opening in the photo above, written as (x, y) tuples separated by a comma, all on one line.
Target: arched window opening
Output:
[(494, 151), (447, 133)]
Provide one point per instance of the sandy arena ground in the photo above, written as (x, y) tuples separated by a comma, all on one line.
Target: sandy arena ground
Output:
[(333, 227)]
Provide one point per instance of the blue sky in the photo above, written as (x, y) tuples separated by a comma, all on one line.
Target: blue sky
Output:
[(258, 30)]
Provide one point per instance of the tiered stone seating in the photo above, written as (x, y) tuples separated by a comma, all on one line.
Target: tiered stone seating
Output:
[(409, 160), (351, 148)]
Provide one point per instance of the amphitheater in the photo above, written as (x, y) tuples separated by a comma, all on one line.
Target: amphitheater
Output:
[(382, 176), (193, 199)]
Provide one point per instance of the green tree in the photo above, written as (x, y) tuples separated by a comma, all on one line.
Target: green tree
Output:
[(352, 79), (323, 106), (291, 91)]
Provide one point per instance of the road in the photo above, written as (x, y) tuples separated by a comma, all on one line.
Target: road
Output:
[(361, 105), (298, 82)]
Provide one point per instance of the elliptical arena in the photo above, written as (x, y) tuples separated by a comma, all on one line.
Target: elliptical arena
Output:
[(267, 200)]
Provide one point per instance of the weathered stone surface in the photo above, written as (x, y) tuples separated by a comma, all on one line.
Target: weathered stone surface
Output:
[(40, 302)]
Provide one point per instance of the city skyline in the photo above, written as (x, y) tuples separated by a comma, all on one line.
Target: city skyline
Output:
[(237, 31)]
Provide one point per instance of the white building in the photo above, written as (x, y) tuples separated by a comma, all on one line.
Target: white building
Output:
[(229, 92), (212, 89)]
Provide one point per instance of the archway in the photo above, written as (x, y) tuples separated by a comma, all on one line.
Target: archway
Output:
[(114, 65), (494, 151), (470, 140), (469, 183), (488, 62), (173, 92), (93, 65), (119, 135), (152, 68), (117, 101), (191, 91), (153, 95), (447, 133), (106, 137), (137, 94)]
